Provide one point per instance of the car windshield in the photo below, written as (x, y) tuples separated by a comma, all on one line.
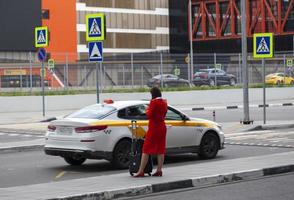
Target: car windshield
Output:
[(96, 111), (157, 77)]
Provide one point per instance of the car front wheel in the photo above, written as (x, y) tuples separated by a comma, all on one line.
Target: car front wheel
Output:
[(278, 83), (211, 82), (121, 154), (232, 82), (74, 161), (209, 146)]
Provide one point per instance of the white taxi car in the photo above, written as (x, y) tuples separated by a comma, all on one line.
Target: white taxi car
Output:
[(103, 131)]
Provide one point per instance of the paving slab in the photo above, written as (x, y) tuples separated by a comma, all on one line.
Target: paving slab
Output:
[(121, 185)]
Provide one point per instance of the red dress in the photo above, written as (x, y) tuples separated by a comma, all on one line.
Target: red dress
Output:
[(155, 139)]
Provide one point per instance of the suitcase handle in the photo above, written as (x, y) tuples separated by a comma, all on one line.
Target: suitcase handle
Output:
[(134, 134)]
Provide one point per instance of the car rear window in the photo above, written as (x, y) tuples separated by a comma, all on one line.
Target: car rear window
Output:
[(96, 111)]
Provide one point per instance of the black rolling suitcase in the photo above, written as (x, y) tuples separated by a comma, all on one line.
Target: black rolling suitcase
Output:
[(136, 153)]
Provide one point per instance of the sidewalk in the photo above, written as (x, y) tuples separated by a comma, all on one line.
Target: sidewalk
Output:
[(123, 185)]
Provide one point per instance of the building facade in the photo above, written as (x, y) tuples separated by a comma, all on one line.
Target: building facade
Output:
[(216, 24)]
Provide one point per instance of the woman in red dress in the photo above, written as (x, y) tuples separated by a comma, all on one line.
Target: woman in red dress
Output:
[(155, 139)]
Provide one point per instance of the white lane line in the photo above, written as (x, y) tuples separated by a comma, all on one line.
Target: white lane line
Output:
[(14, 134), (27, 135), (3, 134)]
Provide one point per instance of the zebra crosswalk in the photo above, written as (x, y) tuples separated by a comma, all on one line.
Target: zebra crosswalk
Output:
[(264, 138), (15, 136)]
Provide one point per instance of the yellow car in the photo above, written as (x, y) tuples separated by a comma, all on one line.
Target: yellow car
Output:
[(279, 79)]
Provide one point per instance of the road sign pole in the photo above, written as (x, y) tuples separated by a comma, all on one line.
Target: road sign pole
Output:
[(161, 71), (97, 82), (43, 88), (31, 73), (264, 97), (215, 80), (132, 66), (284, 69), (191, 43)]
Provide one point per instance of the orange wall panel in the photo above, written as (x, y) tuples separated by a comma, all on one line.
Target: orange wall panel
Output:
[(62, 28)]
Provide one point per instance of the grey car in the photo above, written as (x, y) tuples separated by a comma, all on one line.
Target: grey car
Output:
[(168, 80), (213, 77)]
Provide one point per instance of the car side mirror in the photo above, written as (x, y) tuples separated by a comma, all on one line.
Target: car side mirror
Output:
[(184, 117)]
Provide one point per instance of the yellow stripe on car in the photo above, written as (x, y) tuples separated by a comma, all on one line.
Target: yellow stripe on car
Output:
[(140, 131), (145, 123)]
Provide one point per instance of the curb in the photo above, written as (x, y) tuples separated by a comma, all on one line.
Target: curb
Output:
[(270, 127), (229, 107), (198, 182)]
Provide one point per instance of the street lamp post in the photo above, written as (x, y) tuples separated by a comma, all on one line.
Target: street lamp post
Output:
[(246, 119)]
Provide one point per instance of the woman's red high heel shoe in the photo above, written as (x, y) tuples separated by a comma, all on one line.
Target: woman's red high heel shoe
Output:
[(157, 173), (139, 175)]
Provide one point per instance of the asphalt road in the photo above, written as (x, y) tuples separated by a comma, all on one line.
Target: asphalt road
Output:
[(271, 188), (32, 167), (16, 137)]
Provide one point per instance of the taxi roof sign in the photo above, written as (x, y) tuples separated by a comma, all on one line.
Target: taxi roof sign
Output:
[(41, 36), (95, 27), (263, 46)]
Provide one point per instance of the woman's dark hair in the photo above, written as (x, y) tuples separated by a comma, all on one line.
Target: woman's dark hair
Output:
[(155, 92)]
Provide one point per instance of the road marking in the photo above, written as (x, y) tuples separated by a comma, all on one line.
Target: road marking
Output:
[(60, 175), (14, 135), (27, 135), (3, 133)]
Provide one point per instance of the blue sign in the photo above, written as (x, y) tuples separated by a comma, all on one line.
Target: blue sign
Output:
[(95, 27), (41, 37), (42, 54), (263, 45), (95, 51)]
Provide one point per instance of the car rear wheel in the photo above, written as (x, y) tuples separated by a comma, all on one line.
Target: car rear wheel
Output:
[(209, 146), (121, 154), (292, 83), (74, 160), (211, 82)]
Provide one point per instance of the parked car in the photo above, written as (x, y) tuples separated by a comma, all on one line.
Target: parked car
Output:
[(169, 80), (103, 131), (213, 77), (279, 79)]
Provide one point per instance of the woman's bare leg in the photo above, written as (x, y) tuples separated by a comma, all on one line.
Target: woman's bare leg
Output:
[(143, 163), (160, 161)]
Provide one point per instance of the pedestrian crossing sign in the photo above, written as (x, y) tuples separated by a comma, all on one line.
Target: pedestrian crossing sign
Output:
[(95, 51), (41, 36), (263, 45), (95, 27)]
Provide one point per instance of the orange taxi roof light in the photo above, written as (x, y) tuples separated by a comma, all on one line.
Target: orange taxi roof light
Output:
[(108, 101)]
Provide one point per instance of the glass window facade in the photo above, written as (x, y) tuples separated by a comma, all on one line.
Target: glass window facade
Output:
[(129, 4)]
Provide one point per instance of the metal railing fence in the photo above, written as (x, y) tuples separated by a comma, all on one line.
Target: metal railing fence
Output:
[(127, 71)]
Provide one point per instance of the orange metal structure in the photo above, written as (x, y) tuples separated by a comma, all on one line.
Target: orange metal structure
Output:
[(221, 19), (62, 28)]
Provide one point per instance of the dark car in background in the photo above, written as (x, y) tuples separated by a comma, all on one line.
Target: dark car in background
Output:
[(168, 80), (213, 77)]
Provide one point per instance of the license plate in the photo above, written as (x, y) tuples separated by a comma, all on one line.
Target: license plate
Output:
[(65, 130), (197, 78)]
